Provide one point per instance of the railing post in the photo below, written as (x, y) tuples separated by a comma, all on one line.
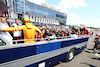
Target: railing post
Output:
[(16, 42)]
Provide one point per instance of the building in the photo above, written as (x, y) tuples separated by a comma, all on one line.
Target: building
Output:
[(38, 13)]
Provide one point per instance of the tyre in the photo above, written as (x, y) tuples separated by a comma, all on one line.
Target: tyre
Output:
[(70, 55)]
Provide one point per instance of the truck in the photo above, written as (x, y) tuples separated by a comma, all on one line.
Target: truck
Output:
[(40, 54)]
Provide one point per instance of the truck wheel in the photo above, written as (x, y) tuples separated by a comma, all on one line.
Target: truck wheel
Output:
[(70, 55)]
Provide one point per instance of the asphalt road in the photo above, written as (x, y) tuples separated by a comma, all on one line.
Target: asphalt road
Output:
[(84, 59)]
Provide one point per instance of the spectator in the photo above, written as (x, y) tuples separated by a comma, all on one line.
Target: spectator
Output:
[(73, 28), (76, 30), (81, 30), (67, 33), (17, 34), (97, 43), (58, 34), (74, 35), (85, 32), (6, 35), (43, 29), (47, 33), (28, 29), (71, 36), (53, 37), (63, 33), (7, 21)]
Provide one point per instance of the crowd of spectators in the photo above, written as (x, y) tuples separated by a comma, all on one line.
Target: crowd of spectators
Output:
[(53, 33)]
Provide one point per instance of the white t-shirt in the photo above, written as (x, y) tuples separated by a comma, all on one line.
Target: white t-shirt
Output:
[(6, 35), (75, 36), (17, 33)]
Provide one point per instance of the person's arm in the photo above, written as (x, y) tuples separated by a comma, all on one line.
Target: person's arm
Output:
[(12, 29), (38, 30), (95, 42), (51, 37)]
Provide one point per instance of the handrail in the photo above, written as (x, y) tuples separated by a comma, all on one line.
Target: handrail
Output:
[(38, 38), (62, 37)]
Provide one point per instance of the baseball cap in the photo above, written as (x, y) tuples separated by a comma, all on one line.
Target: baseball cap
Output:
[(26, 19)]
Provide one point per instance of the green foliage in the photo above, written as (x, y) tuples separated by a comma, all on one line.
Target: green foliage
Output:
[(1, 43)]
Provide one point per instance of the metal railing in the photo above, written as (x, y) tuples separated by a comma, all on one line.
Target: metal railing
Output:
[(38, 39), (44, 39)]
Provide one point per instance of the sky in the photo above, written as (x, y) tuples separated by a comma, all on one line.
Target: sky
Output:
[(85, 12)]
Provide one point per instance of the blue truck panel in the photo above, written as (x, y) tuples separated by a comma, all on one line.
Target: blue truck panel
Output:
[(16, 53), (72, 42), (63, 56), (47, 47), (48, 62)]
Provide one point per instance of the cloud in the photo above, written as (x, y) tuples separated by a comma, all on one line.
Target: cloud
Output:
[(73, 16), (93, 19), (74, 19), (65, 4), (72, 3)]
